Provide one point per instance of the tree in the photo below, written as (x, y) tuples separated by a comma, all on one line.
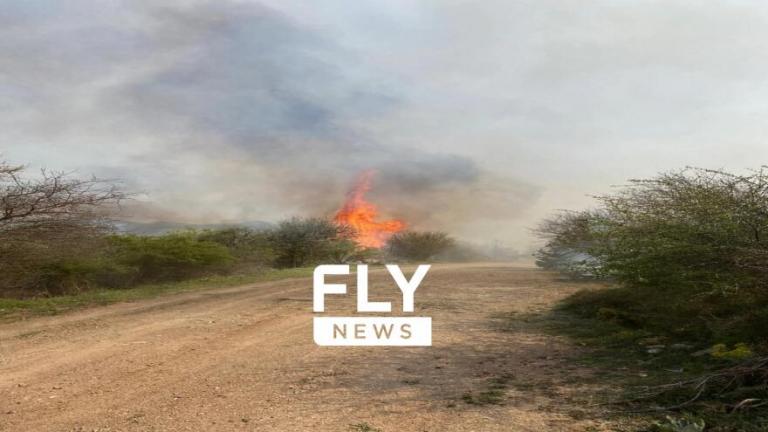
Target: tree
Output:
[(570, 237), (47, 219), (688, 253), (52, 202), (299, 242), (419, 246), (688, 249)]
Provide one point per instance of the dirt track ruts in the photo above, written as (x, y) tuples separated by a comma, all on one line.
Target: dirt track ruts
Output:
[(243, 359)]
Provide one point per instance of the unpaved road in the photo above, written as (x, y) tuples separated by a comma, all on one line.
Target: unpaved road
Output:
[(243, 359)]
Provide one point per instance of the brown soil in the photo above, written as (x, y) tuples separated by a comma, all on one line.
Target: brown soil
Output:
[(243, 359)]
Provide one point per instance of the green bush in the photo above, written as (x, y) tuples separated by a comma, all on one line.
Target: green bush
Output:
[(69, 276), (66, 276), (688, 249), (31, 266), (249, 247), (169, 257), (419, 246)]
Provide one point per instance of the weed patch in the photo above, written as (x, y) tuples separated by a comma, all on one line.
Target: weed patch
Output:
[(363, 427), (494, 393), (639, 369)]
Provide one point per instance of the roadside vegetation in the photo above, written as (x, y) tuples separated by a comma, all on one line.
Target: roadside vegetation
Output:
[(14, 308), (419, 246), (685, 259), (59, 248)]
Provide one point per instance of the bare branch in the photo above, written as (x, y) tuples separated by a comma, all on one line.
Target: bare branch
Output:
[(53, 197)]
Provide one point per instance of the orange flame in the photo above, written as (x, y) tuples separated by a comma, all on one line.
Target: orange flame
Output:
[(361, 215)]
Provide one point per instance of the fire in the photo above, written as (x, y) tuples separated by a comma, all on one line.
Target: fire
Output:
[(361, 215)]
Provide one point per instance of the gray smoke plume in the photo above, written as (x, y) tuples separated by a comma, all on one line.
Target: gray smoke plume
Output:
[(226, 111)]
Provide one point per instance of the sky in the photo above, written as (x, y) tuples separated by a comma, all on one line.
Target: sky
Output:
[(479, 118)]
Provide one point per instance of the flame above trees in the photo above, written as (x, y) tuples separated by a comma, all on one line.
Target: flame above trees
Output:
[(361, 215)]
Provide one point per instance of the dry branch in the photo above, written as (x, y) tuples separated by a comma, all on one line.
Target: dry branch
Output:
[(748, 374)]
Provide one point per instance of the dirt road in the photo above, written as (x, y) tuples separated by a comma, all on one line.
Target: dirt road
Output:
[(243, 359)]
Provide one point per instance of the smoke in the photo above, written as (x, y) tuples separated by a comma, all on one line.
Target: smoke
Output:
[(223, 111)]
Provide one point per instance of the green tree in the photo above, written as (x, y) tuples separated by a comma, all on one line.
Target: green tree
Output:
[(299, 242), (689, 248)]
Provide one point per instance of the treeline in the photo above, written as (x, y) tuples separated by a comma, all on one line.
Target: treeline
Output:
[(115, 260), (687, 250), (56, 237)]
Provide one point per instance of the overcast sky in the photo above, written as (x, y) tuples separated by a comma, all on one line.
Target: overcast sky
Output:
[(479, 117)]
